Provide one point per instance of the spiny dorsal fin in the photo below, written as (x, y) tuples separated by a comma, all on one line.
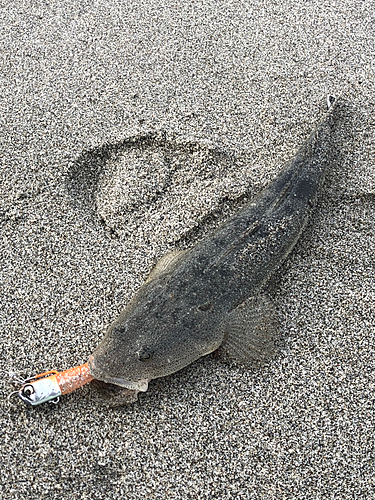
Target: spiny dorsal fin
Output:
[(166, 264)]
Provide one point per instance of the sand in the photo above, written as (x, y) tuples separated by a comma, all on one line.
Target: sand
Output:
[(132, 128)]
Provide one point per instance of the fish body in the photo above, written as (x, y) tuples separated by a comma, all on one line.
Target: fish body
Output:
[(211, 296)]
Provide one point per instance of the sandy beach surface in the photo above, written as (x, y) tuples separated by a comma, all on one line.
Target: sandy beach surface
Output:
[(129, 129)]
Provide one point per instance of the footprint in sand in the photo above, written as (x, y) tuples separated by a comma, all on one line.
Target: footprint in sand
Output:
[(169, 183)]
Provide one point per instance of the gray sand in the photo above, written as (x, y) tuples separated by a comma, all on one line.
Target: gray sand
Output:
[(230, 90)]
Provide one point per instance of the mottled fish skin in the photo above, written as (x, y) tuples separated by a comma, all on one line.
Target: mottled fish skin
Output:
[(189, 304)]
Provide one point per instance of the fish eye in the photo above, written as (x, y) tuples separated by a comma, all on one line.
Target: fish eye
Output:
[(205, 307), (145, 354)]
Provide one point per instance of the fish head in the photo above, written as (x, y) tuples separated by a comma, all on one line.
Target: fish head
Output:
[(148, 342), (123, 359)]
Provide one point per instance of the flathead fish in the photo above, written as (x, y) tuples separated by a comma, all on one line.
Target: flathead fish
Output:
[(212, 295)]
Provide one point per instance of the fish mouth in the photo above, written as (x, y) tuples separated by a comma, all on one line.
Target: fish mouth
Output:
[(139, 386)]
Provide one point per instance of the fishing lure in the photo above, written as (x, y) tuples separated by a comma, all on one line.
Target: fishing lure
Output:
[(49, 386)]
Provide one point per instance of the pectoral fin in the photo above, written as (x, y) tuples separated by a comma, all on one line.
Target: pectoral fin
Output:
[(251, 331)]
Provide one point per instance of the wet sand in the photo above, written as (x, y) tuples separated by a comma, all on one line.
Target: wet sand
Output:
[(129, 130)]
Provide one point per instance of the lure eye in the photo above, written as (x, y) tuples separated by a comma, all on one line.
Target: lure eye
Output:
[(145, 354), (28, 390)]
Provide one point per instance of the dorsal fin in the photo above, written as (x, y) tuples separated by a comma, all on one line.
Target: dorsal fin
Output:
[(167, 264)]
